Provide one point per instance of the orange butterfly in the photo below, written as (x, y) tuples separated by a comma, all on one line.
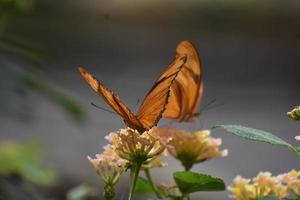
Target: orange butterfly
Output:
[(153, 105), (187, 89)]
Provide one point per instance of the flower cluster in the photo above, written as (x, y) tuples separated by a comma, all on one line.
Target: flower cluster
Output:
[(126, 149), (191, 148), (130, 149), (134, 147), (109, 166), (264, 185), (292, 181)]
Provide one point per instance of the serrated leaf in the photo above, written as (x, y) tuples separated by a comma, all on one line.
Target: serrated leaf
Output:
[(254, 134), (143, 186), (189, 182)]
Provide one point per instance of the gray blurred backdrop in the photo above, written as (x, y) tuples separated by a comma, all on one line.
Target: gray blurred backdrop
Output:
[(250, 54)]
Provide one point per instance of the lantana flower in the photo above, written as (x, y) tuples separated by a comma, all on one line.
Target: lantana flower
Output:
[(191, 148), (292, 181), (109, 166), (266, 185), (134, 147), (242, 189), (263, 185)]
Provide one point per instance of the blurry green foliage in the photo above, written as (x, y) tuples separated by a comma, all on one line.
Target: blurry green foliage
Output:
[(11, 8), (28, 50), (32, 52), (56, 96), (23, 159), (82, 192)]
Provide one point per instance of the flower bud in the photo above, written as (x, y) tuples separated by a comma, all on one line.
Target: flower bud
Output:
[(295, 113)]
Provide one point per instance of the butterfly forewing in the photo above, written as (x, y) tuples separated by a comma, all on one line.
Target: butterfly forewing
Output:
[(157, 98), (111, 99)]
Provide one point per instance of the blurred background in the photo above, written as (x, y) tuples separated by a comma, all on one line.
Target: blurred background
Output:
[(250, 56)]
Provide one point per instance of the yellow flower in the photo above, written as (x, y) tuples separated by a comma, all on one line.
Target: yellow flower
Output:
[(134, 147), (190, 148), (292, 181), (263, 185), (242, 189), (295, 113), (280, 191)]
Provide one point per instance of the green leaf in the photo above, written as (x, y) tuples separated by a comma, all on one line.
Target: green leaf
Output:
[(143, 186), (258, 135), (254, 134), (189, 182), (297, 149)]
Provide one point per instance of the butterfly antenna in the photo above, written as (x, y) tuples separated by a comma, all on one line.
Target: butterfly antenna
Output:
[(104, 109), (137, 102), (215, 106), (207, 105), (210, 106)]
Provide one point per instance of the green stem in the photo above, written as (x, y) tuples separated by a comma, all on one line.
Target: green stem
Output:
[(187, 169), (109, 191), (154, 188), (134, 174)]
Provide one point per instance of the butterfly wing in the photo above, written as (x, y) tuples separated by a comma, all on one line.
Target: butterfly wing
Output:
[(187, 90), (156, 100), (112, 99)]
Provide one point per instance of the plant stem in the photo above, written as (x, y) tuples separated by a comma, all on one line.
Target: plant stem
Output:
[(187, 169), (154, 188), (134, 174)]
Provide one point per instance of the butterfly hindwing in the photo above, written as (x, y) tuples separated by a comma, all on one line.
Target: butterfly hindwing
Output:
[(186, 94)]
